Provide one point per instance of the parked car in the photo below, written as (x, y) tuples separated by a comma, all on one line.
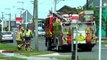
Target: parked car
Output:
[(7, 36), (41, 32)]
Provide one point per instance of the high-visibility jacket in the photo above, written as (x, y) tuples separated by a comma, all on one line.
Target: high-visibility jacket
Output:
[(69, 39), (94, 37), (57, 28), (28, 33), (67, 32), (19, 36), (81, 38)]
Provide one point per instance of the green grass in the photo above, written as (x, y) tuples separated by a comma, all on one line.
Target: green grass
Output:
[(2, 57), (64, 58), (32, 53), (4, 46), (104, 42), (12, 58)]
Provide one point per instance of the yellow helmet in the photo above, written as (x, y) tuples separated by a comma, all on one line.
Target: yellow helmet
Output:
[(67, 32), (22, 28)]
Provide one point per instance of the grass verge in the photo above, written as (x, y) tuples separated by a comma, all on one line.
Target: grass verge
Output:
[(5, 46), (32, 53), (104, 42), (64, 58), (2, 57)]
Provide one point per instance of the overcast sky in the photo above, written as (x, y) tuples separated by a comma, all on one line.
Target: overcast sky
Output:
[(10, 6)]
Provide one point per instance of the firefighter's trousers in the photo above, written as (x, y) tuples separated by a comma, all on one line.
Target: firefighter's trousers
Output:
[(20, 44)]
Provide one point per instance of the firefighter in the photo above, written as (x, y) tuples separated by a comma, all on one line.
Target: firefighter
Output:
[(69, 37), (88, 30), (88, 35), (19, 39), (57, 31), (81, 38), (28, 35), (94, 38), (88, 38)]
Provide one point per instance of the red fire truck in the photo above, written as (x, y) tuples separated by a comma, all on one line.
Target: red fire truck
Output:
[(67, 33)]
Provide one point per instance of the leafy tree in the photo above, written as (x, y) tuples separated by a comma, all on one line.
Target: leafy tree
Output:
[(104, 20)]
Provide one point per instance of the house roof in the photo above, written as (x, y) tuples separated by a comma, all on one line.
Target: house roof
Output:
[(66, 9)]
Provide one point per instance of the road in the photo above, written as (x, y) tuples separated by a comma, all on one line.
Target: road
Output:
[(94, 54), (83, 55)]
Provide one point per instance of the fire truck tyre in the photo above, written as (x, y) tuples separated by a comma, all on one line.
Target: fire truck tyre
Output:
[(89, 49)]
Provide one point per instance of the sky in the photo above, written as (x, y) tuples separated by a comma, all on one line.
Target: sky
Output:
[(11, 6)]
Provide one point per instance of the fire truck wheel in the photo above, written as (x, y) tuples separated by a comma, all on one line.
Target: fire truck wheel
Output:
[(89, 49)]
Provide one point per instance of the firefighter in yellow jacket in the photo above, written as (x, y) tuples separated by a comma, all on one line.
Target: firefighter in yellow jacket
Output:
[(28, 35), (19, 39), (81, 38)]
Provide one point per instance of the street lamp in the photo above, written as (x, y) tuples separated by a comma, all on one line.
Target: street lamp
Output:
[(9, 21), (2, 20), (33, 9), (9, 14), (21, 9), (55, 4)]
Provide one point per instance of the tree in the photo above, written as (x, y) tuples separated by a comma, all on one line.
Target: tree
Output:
[(104, 20)]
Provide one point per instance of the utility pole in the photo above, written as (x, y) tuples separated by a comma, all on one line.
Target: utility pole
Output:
[(35, 13), (2, 20), (55, 2), (100, 23), (22, 7), (26, 18), (9, 14), (87, 5), (9, 21)]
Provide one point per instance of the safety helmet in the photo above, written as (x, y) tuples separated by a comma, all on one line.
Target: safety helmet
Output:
[(67, 32), (22, 28)]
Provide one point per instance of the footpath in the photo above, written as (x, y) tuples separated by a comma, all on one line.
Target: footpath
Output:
[(52, 56)]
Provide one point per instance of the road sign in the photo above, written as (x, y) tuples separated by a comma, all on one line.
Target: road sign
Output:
[(19, 19)]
